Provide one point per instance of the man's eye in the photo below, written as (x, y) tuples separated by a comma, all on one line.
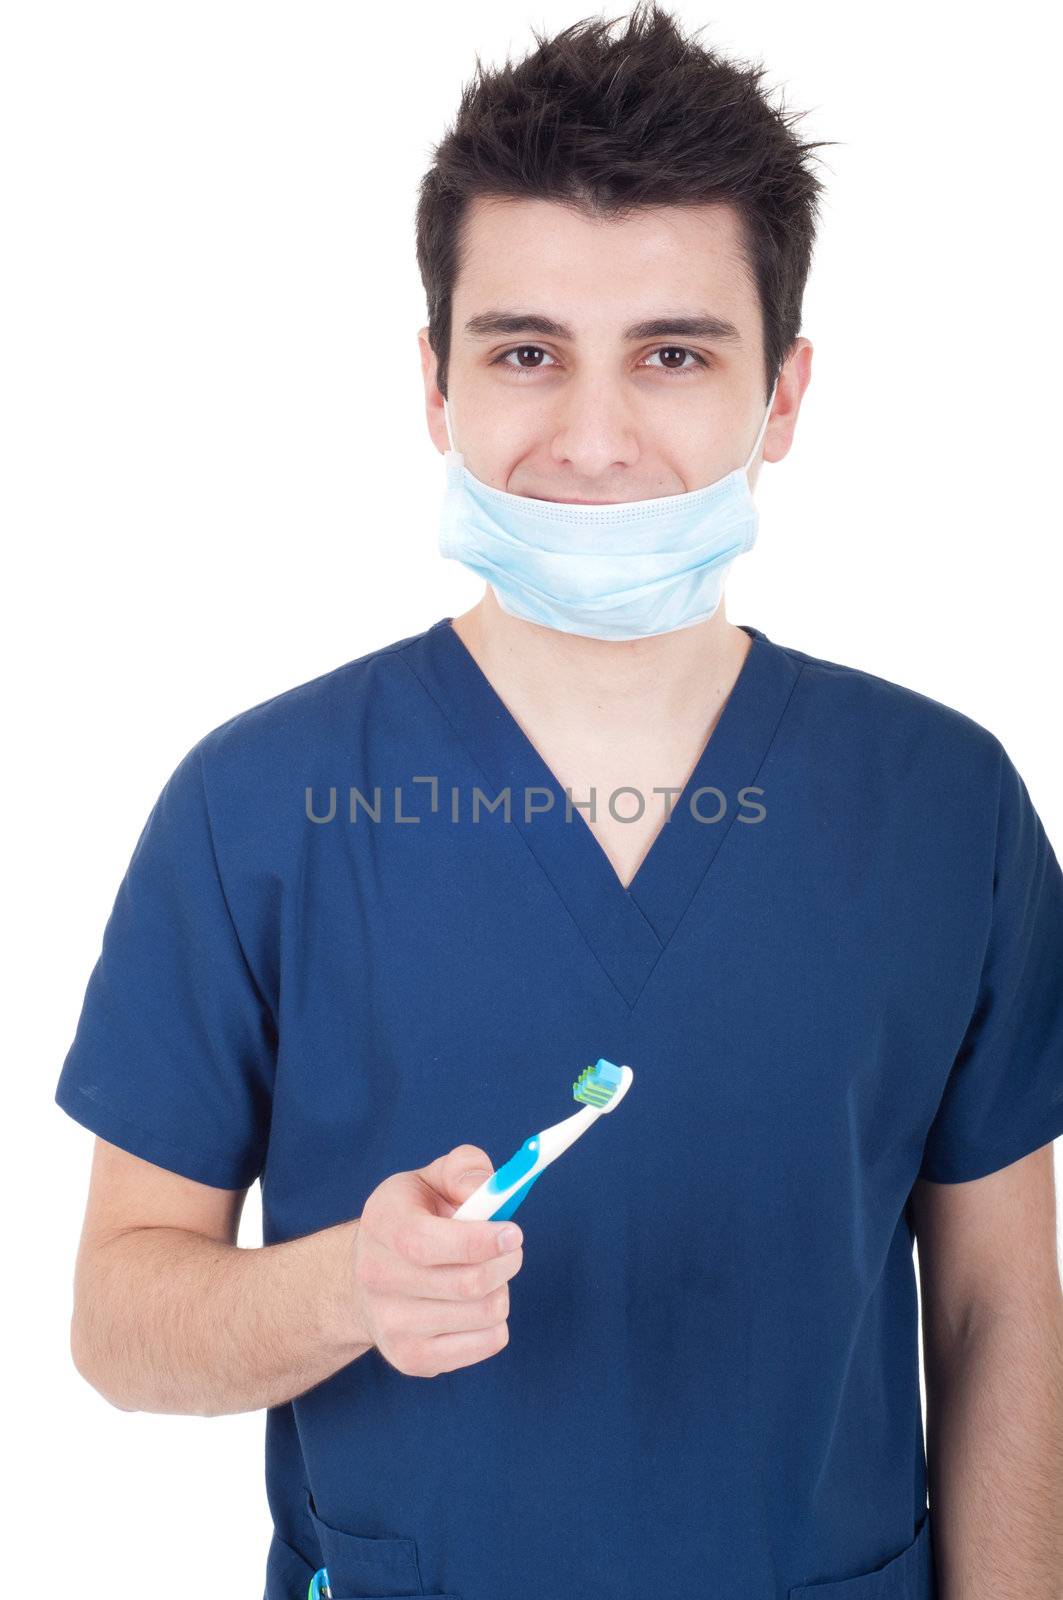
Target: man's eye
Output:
[(519, 350), (679, 350)]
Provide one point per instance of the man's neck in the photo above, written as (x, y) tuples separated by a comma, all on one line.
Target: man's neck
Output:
[(655, 690)]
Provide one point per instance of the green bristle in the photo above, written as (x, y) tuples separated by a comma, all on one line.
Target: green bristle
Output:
[(590, 1090)]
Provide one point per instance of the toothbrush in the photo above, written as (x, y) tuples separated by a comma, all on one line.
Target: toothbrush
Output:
[(319, 1586), (600, 1089)]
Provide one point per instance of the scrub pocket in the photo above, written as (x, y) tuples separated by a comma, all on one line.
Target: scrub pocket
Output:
[(908, 1576), (365, 1568)]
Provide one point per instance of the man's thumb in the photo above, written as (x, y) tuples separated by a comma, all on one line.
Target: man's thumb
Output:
[(457, 1175), (466, 1168)]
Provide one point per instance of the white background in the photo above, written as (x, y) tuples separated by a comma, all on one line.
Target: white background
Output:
[(218, 483)]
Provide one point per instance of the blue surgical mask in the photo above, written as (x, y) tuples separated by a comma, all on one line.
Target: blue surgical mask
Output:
[(622, 571)]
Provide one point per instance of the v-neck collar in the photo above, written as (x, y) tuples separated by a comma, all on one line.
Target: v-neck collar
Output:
[(626, 928)]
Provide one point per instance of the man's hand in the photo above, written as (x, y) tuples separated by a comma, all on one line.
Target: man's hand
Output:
[(432, 1292)]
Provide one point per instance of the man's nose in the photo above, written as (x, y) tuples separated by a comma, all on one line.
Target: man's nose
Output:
[(592, 429)]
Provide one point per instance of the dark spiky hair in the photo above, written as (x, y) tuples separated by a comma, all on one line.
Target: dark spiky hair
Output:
[(607, 124)]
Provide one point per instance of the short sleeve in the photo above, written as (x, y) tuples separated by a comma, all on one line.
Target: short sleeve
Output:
[(175, 1049), (1004, 1094)]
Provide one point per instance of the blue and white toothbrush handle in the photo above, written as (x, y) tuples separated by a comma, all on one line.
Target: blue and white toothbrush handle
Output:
[(499, 1195)]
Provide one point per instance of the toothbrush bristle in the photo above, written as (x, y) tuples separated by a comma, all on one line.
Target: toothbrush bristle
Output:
[(597, 1085)]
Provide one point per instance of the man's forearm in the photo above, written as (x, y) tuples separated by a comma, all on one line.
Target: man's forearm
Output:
[(170, 1321), (995, 1460)]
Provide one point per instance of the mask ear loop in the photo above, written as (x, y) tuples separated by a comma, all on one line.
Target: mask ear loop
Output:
[(452, 457), (763, 427)]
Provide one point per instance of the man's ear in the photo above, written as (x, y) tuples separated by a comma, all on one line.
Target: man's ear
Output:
[(794, 379), (433, 400)]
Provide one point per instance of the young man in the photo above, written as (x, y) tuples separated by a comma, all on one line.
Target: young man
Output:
[(376, 925)]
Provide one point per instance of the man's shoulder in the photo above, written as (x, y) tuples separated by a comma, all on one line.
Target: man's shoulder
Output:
[(859, 702), (308, 719)]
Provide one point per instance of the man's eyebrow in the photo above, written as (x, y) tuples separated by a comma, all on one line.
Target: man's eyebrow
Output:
[(486, 324)]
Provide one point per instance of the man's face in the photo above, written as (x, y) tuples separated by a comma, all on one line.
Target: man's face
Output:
[(618, 401)]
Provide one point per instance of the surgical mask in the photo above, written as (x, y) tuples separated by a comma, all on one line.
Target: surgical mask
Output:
[(621, 571)]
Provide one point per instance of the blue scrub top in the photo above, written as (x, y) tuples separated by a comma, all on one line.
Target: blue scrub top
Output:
[(711, 1385)]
